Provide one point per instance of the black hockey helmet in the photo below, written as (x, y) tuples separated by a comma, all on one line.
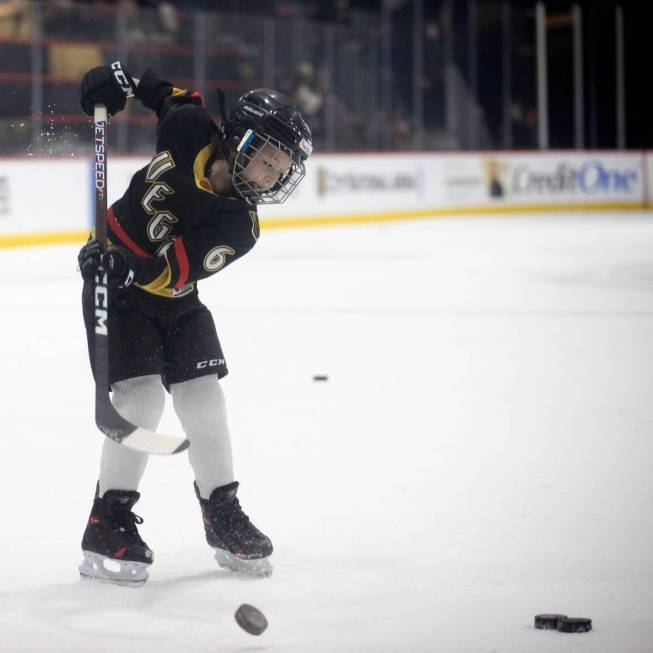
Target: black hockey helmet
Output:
[(261, 117)]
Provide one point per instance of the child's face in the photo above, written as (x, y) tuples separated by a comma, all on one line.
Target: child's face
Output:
[(266, 167)]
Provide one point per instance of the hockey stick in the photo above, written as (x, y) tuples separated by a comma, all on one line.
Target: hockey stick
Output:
[(107, 418)]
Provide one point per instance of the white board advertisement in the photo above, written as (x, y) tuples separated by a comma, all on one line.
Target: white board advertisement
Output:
[(350, 185), (41, 196), (44, 197)]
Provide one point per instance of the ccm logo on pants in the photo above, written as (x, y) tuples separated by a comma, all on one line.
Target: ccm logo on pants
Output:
[(214, 362)]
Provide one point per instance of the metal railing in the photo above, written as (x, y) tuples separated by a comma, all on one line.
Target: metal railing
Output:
[(436, 74)]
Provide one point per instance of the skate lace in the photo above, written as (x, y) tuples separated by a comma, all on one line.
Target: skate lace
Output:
[(232, 515), (126, 522)]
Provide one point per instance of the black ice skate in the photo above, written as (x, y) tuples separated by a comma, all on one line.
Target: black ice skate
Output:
[(113, 550), (239, 545)]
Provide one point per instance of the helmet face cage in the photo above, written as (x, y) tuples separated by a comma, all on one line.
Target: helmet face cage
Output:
[(250, 145)]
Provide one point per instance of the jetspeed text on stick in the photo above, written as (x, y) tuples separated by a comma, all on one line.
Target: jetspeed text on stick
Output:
[(100, 178)]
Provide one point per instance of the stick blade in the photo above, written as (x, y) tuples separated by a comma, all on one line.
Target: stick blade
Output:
[(153, 442), (116, 427)]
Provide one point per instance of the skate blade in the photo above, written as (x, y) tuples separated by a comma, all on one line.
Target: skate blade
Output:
[(258, 567), (117, 572)]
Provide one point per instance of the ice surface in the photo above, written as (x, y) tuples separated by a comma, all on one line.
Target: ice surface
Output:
[(482, 451)]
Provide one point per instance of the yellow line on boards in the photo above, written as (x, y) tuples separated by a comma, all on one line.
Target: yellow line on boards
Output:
[(63, 237), (388, 216), (48, 238)]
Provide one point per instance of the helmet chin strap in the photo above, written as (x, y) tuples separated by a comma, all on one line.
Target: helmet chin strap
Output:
[(222, 104), (223, 147), (219, 150)]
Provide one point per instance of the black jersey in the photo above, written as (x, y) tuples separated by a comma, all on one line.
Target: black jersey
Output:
[(169, 209)]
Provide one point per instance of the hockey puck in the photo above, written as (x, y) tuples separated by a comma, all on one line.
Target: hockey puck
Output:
[(251, 619), (574, 625), (320, 377), (548, 621)]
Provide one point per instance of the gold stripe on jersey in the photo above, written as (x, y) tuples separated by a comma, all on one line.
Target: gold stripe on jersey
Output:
[(169, 293), (155, 287), (199, 165), (160, 285)]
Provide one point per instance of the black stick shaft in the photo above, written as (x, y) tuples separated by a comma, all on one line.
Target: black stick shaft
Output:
[(101, 291), (100, 119)]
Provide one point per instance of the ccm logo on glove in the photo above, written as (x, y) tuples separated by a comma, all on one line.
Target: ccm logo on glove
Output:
[(122, 78), (107, 85)]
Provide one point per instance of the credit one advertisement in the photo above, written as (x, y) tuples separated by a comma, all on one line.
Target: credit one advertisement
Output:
[(382, 183), (542, 179)]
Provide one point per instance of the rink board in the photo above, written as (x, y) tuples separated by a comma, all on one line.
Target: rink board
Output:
[(45, 201)]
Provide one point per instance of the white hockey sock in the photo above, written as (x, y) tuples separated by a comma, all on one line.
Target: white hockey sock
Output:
[(140, 400), (200, 406)]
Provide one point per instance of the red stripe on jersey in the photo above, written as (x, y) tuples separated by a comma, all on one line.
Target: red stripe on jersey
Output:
[(122, 235), (182, 259)]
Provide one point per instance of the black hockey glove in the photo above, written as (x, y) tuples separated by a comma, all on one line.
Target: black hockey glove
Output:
[(122, 266), (89, 259), (108, 85)]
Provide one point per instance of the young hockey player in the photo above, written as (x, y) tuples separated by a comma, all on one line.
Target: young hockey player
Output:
[(186, 215)]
